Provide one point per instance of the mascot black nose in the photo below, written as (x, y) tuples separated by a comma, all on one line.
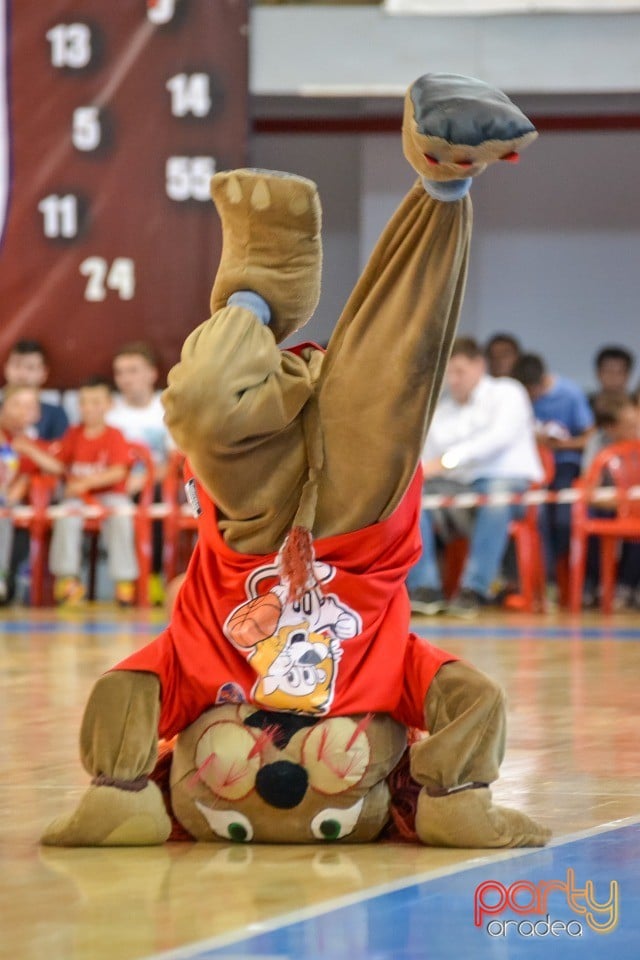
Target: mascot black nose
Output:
[(282, 784)]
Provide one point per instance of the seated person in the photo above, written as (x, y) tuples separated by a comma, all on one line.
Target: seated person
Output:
[(564, 423), (617, 421), (613, 367), (137, 410), (138, 413), (502, 352), (94, 459), (27, 366), (20, 458), (481, 440)]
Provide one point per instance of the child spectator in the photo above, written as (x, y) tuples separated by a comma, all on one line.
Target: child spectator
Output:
[(564, 424), (137, 409), (27, 366), (95, 460), (138, 412), (617, 421), (20, 458)]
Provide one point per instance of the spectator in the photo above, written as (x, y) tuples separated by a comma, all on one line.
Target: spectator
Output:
[(564, 424), (481, 440), (617, 421), (27, 366), (20, 458), (94, 458), (138, 412), (502, 352), (617, 418), (613, 366)]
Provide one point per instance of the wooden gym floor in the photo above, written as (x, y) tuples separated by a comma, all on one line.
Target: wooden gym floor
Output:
[(573, 761)]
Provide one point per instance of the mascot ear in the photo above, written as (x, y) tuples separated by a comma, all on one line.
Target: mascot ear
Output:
[(271, 243)]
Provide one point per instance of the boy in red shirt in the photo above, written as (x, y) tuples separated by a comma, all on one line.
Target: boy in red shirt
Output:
[(95, 459)]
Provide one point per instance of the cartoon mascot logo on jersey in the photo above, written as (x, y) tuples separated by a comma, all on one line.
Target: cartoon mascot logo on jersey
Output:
[(294, 647)]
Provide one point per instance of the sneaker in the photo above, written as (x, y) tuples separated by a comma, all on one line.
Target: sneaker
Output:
[(125, 593), (4, 590), (622, 598), (467, 604), (156, 590), (427, 600), (68, 591)]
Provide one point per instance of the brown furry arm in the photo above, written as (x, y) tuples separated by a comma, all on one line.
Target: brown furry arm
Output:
[(233, 406), (232, 386)]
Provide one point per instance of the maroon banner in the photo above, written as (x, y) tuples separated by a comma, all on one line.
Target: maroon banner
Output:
[(117, 114)]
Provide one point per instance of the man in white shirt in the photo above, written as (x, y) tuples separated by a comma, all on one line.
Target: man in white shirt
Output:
[(481, 440)]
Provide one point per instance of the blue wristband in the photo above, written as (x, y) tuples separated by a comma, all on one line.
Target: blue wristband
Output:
[(447, 190), (253, 302)]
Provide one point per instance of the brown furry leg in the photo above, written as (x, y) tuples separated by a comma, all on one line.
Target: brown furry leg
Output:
[(383, 370), (118, 745), (465, 714)]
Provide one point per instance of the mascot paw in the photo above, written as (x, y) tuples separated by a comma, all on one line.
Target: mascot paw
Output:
[(271, 243), (110, 817), (454, 126), (470, 819)]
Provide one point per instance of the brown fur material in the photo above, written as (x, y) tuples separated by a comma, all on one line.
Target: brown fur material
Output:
[(271, 243), (220, 777)]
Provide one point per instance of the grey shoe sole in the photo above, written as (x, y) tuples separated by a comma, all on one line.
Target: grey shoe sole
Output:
[(465, 613), (428, 609)]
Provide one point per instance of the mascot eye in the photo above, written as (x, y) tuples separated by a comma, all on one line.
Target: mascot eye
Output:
[(335, 823), (227, 824)]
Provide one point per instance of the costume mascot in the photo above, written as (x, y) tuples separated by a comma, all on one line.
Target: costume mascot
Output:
[(287, 680)]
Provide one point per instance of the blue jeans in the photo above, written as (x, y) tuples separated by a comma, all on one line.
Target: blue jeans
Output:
[(555, 520), (487, 544)]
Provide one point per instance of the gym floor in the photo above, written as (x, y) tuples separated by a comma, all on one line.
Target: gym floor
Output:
[(573, 762)]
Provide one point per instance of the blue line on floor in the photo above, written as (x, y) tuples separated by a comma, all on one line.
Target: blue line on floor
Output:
[(432, 632), (529, 631), (435, 918), (35, 627)]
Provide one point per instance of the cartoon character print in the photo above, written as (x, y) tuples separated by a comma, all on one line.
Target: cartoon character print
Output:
[(294, 647)]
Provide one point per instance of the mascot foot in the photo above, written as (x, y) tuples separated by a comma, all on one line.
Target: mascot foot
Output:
[(271, 243), (469, 818), (111, 817), (454, 126)]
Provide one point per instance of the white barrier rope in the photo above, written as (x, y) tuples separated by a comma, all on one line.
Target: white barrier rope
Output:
[(430, 501), (92, 511)]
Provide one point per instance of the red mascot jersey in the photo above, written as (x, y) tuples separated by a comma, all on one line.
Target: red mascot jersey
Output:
[(344, 648)]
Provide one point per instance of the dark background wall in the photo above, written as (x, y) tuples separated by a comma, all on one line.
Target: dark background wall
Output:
[(117, 114)]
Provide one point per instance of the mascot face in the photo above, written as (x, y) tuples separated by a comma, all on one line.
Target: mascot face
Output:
[(244, 774)]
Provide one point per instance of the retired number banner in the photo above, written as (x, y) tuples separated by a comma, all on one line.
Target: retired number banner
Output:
[(113, 116)]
